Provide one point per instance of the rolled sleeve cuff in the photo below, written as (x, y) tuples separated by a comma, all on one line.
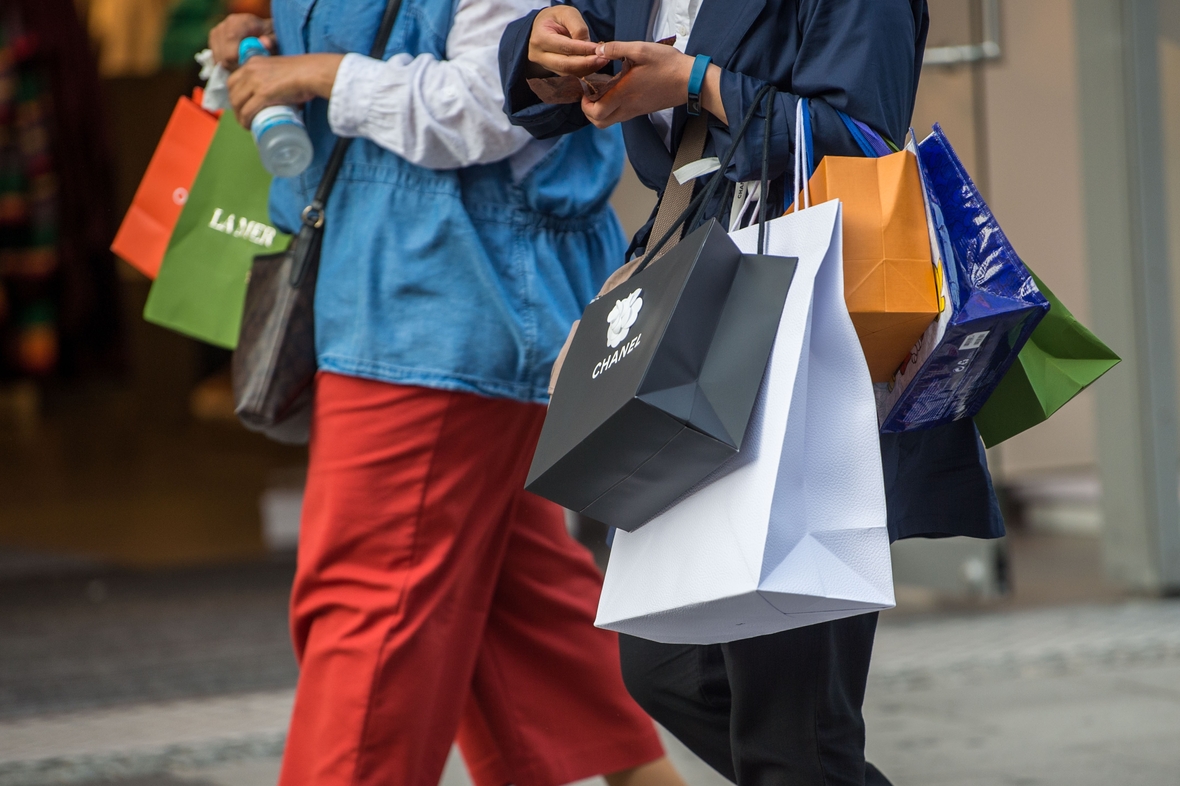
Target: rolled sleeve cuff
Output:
[(352, 93)]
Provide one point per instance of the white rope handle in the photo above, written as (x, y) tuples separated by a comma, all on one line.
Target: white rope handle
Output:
[(798, 148), (802, 184)]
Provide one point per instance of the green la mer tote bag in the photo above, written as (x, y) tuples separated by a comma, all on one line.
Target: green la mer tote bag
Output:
[(1060, 360), (201, 286)]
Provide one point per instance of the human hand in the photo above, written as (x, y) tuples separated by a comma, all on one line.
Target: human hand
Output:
[(657, 79), (274, 81), (225, 38), (560, 44)]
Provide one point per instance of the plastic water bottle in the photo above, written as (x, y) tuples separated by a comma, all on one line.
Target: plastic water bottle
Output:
[(278, 131)]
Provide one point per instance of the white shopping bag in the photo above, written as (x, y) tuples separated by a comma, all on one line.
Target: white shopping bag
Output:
[(791, 531)]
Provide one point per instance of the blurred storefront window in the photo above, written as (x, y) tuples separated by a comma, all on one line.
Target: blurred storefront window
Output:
[(140, 37)]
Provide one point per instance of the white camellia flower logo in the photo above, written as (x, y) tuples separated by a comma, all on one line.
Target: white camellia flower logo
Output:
[(622, 317)]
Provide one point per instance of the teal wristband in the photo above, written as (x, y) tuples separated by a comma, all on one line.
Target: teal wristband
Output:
[(696, 80)]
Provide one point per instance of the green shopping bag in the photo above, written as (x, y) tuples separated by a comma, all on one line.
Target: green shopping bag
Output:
[(1060, 360), (201, 285)]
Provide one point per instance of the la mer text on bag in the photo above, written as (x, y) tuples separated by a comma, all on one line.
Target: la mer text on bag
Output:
[(256, 232)]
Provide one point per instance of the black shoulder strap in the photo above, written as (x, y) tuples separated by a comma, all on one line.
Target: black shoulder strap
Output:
[(306, 246)]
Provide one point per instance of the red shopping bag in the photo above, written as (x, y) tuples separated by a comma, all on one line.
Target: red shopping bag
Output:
[(143, 236)]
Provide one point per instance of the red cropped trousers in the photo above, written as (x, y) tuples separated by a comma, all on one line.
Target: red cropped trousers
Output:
[(435, 598)]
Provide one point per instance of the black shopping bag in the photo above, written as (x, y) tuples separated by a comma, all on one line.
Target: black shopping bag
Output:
[(660, 380)]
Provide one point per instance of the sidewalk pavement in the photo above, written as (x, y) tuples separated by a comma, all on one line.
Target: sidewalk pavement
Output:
[(1083, 696)]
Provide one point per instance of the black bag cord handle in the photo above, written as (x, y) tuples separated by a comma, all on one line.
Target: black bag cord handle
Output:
[(697, 206), (313, 214)]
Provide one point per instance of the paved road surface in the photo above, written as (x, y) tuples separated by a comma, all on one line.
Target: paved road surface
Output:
[(1084, 696)]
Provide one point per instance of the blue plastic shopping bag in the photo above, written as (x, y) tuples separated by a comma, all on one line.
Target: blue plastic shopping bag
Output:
[(992, 304)]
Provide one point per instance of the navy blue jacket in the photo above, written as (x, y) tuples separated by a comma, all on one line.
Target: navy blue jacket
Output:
[(863, 57)]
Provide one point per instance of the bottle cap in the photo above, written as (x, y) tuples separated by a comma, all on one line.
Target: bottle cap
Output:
[(249, 47)]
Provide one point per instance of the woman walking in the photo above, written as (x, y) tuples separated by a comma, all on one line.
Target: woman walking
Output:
[(433, 596), (784, 709)]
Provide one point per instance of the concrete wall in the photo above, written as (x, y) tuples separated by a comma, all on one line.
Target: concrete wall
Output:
[(1016, 127), (1170, 89), (1034, 145)]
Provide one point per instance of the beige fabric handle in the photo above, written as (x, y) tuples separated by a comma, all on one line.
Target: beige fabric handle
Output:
[(677, 195), (675, 200)]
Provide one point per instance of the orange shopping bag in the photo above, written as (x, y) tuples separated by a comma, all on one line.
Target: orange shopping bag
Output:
[(889, 283), (143, 236), (889, 274)]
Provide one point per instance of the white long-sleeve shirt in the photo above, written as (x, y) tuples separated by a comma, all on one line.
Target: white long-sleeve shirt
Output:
[(439, 114)]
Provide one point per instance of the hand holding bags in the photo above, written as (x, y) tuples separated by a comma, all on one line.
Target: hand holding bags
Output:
[(889, 278), (658, 383), (792, 530), (201, 284), (143, 236), (1061, 359)]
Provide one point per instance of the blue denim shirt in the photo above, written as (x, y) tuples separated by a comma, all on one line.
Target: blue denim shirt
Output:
[(456, 279)]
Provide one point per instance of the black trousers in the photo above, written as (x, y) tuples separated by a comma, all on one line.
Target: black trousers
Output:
[(778, 710)]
